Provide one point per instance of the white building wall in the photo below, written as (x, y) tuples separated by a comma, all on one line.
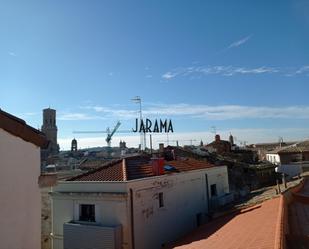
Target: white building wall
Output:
[(20, 202), (184, 196), (111, 209), (273, 158)]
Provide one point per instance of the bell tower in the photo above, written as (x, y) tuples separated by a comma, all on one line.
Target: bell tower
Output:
[(49, 128)]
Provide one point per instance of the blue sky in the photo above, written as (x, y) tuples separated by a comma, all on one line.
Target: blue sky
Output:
[(242, 66)]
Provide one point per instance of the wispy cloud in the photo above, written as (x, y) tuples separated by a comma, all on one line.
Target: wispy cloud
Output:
[(225, 112), (12, 54), (303, 69), (217, 70), (78, 117), (222, 112), (108, 112), (240, 42), (170, 75), (199, 71)]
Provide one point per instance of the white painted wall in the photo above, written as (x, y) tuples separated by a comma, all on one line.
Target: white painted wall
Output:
[(273, 158), (20, 202), (184, 197), (110, 210)]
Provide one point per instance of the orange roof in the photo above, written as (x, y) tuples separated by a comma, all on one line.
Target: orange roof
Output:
[(252, 228), (136, 167)]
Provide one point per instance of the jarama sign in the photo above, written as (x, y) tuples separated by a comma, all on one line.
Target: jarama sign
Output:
[(155, 126)]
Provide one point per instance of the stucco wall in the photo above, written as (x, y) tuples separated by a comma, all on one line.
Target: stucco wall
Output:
[(110, 210), (184, 196), (20, 216), (287, 158), (273, 158)]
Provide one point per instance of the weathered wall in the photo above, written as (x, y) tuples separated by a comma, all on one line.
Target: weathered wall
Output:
[(20, 216), (184, 198), (185, 201), (286, 158), (273, 158), (110, 210), (282, 226)]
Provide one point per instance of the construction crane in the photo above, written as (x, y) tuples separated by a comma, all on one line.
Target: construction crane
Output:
[(109, 133)]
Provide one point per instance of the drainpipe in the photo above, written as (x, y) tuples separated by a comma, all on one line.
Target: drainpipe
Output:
[(132, 218)]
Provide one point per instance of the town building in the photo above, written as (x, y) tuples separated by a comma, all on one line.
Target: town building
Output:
[(122, 144), (74, 145), (219, 146), (49, 128), (136, 202), (291, 160), (20, 182), (263, 148)]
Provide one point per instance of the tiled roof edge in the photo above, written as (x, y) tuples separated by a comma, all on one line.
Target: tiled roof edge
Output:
[(105, 165), (19, 128)]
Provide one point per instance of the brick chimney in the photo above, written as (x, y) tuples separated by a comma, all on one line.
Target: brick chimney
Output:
[(157, 166), (161, 148)]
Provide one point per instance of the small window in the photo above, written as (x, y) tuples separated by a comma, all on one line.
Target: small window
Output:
[(213, 189), (161, 201), (87, 212)]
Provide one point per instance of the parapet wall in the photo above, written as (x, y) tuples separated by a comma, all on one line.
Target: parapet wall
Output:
[(286, 198)]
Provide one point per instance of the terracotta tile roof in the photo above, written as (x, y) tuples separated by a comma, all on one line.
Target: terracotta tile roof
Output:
[(270, 145), (188, 164), (19, 128), (111, 171), (294, 148), (137, 167), (89, 164), (254, 227), (181, 152)]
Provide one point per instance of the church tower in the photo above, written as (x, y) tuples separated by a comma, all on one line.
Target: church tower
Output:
[(231, 139), (49, 128), (74, 145)]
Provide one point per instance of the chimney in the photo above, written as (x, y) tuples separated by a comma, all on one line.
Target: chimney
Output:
[(217, 138), (157, 166), (161, 148)]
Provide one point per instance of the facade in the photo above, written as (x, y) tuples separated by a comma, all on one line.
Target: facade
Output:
[(126, 195), (219, 146), (20, 198), (49, 128), (273, 157), (265, 148), (291, 160)]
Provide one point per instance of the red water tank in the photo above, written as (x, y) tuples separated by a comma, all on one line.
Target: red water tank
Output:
[(157, 166)]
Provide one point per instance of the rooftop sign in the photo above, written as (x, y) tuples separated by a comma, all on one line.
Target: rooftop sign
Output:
[(155, 126)]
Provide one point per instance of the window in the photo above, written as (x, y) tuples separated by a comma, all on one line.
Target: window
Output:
[(213, 190), (161, 202), (87, 212)]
